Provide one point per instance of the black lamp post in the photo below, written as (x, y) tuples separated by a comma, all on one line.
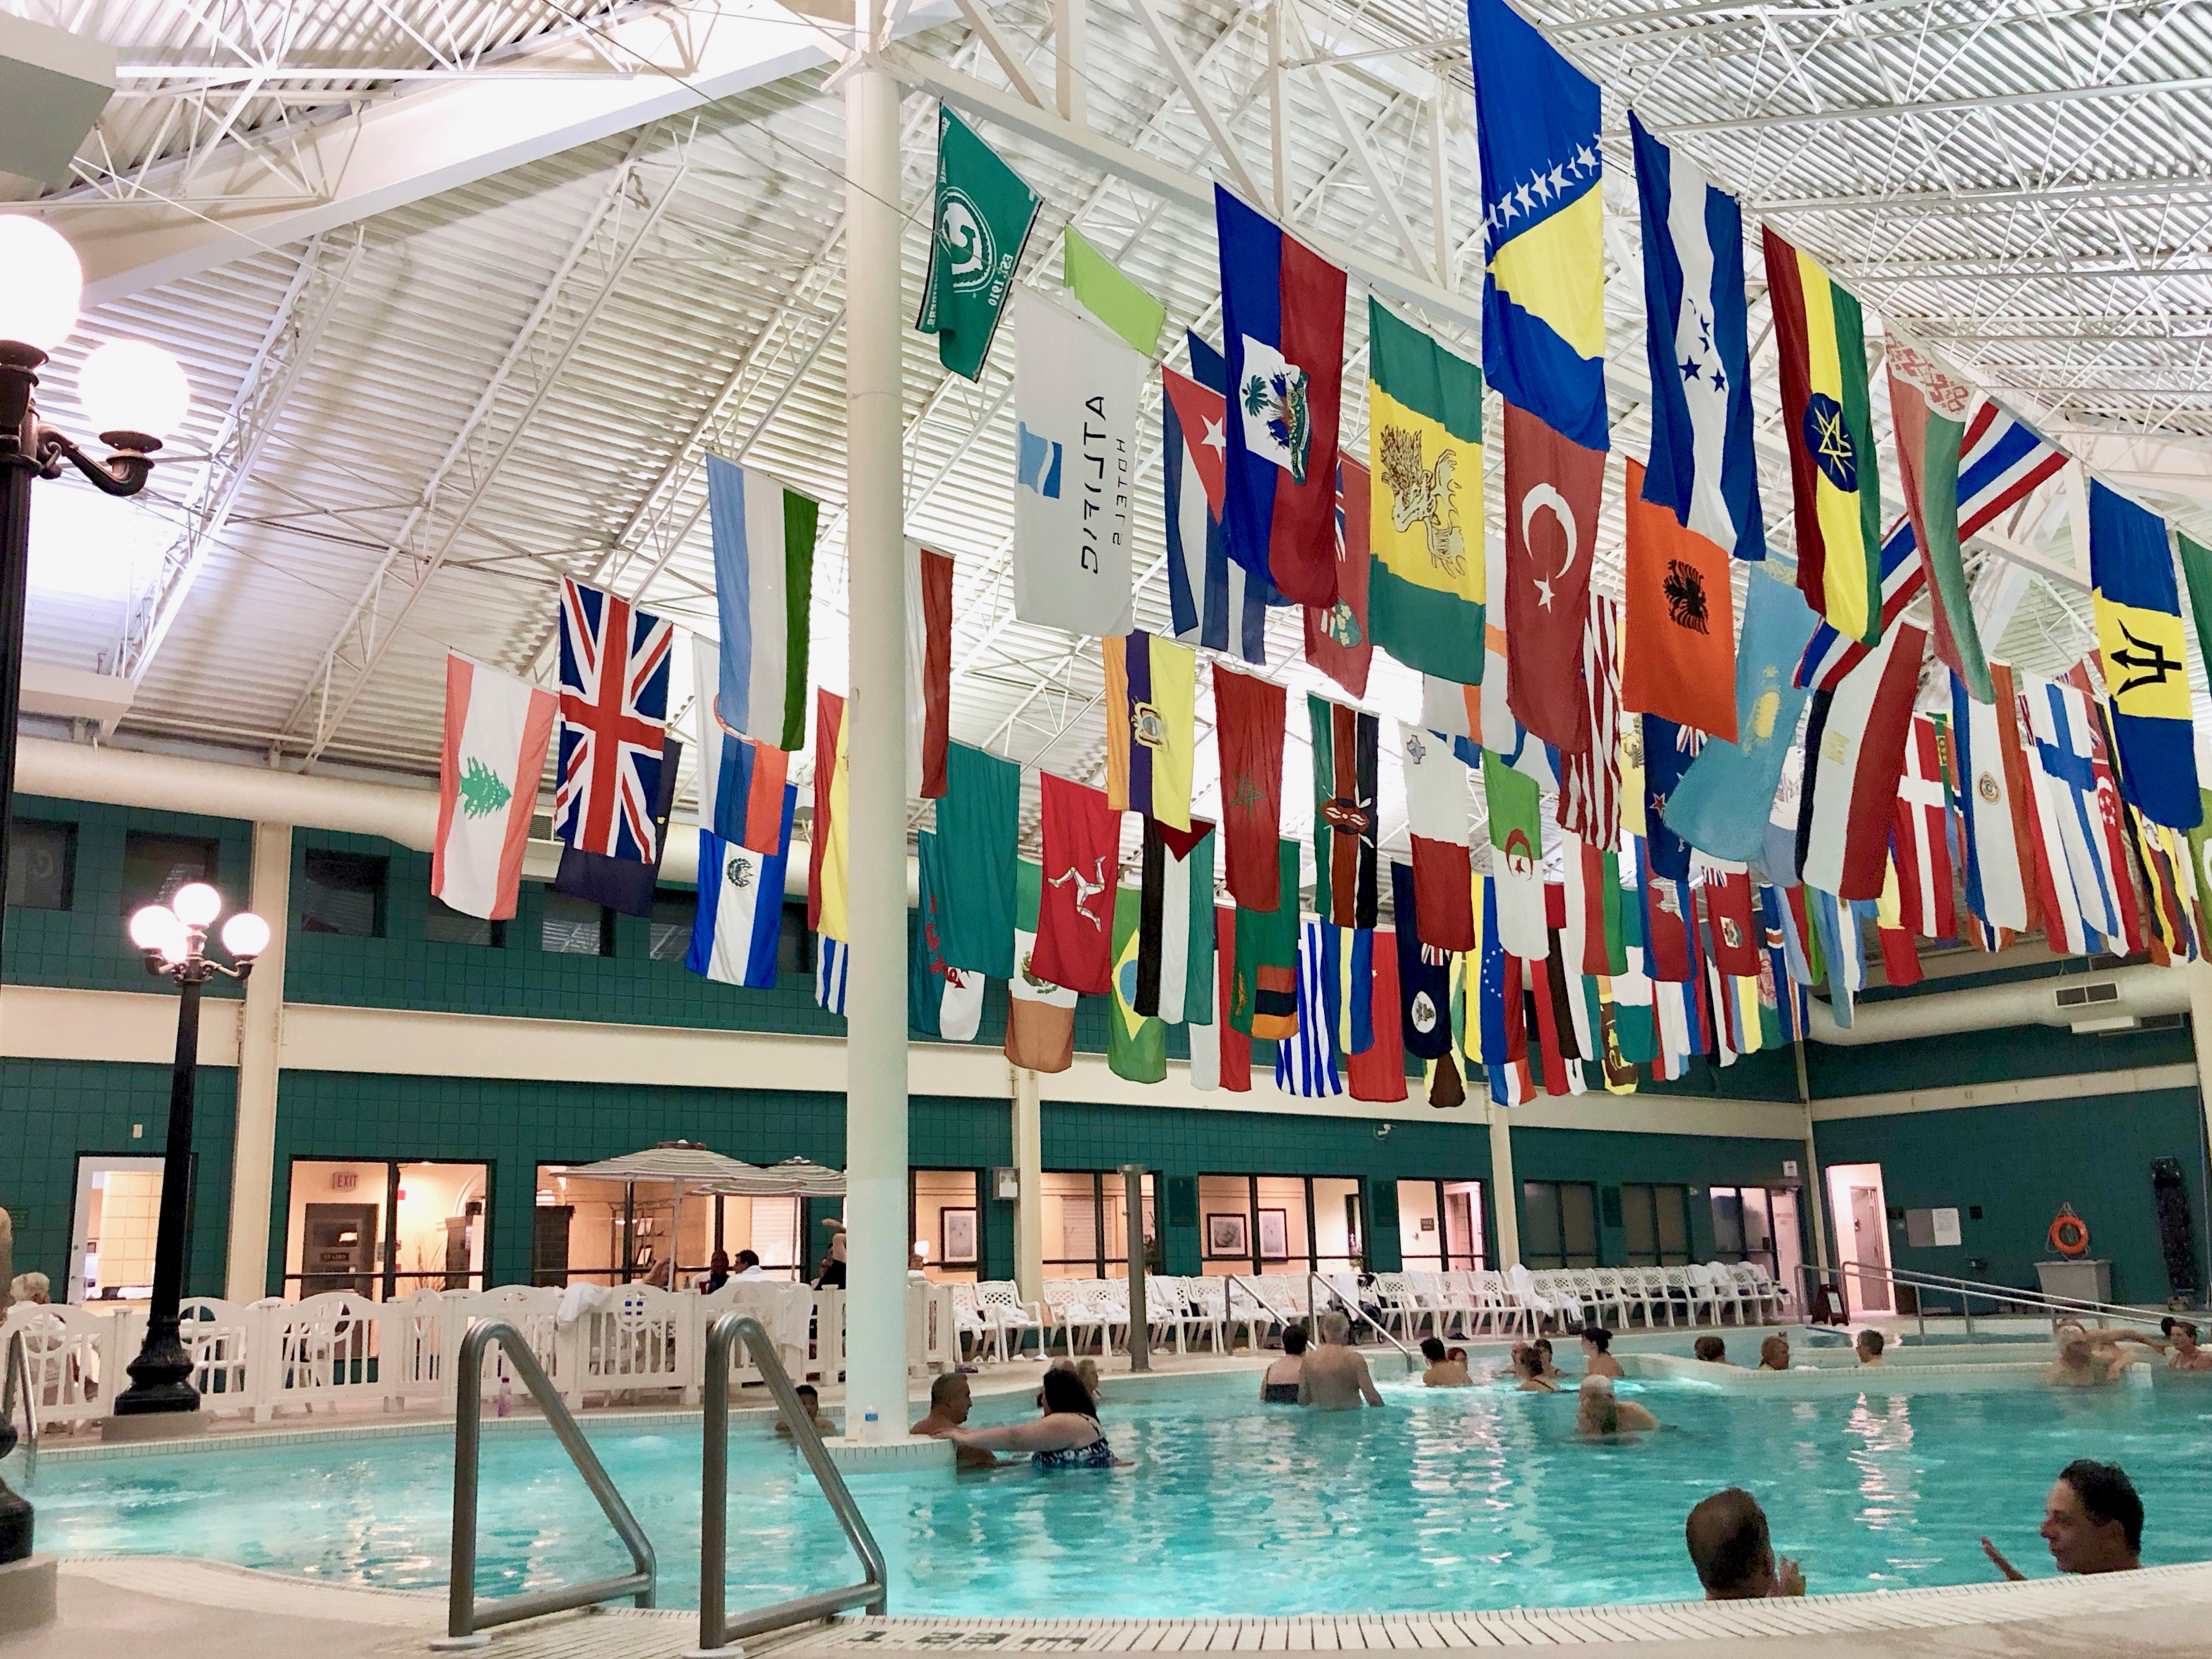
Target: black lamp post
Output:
[(174, 936)]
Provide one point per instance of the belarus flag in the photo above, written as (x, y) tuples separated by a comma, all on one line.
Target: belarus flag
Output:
[(496, 730)]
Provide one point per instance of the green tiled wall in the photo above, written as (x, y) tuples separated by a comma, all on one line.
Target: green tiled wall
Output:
[(1981, 1057), (1692, 1161)]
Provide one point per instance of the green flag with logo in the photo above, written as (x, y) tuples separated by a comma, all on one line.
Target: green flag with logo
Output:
[(984, 217)]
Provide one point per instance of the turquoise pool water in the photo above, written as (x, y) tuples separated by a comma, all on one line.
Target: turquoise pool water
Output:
[(1469, 1499)]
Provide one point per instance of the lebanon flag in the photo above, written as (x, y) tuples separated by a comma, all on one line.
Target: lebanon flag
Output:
[(1247, 736), (1923, 847), (928, 669), (1437, 824), (1082, 848), (1553, 489), (1853, 755), (496, 730)]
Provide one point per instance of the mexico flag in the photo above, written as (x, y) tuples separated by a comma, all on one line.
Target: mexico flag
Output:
[(496, 730)]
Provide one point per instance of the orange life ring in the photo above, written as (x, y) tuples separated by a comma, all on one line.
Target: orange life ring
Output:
[(2069, 1235)]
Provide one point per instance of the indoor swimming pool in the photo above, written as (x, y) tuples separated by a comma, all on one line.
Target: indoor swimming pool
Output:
[(1447, 1500)]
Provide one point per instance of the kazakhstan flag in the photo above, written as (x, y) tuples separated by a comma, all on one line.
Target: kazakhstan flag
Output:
[(1543, 294), (2139, 641)]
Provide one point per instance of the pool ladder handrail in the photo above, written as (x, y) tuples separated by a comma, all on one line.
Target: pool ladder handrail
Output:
[(18, 1386), (467, 1617), (1358, 1312), (1966, 1290), (718, 1633)]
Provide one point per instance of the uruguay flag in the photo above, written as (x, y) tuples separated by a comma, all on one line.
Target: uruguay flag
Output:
[(1282, 308), (1695, 335), (740, 914), (1215, 601)]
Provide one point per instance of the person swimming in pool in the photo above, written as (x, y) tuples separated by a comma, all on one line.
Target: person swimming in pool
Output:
[(1067, 1435), (2181, 1339), (1278, 1385), (2093, 1520), (1774, 1354), (1600, 1415), (1597, 1353), (1529, 1367), (1444, 1371), (1733, 1553), (1335, 1378), (1711, 1350), (2087, 1358), (1869, 1347)]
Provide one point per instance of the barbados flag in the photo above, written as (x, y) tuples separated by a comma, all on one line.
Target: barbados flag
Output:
[(2139, 638), (1543, 290)]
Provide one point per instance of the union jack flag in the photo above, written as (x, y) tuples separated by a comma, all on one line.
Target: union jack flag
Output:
[(614, 712)]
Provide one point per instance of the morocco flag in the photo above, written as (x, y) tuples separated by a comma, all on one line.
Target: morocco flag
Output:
[(1854, 756), (1082, 845), (496, 730), (1553, 489), (1248, 734)]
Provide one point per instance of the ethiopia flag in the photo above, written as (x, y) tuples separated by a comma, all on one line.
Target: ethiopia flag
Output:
[(2139, 639), (1834, 477), (1425, 592)]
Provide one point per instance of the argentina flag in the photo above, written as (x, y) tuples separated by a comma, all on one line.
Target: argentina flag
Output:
[(1305, 1063), (1695, 335)]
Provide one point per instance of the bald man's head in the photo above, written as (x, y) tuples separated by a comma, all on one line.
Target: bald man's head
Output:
[(1730, 1547)]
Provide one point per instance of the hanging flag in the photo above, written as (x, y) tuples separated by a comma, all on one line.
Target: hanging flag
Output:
[(1853, 755), (1248, 734), (984, 215), (1993, 798), (1347, 960), (1424, 447), (1214, 602), (1075, 465), (1590, 936), (1229, 1049), (1151, 734), (2001, 463), (1081, 842), (1551, 1049), (832, 960), (1826, 419), (1722, 804), (1282, 319), (1100, 288), (826, 862), (1264, 1003), (1678, 654), (2139, 641), (1543, 290), (1344, 764), (623, 885), (493, 754), (1667, 908), (1553, 489), (1668, 751), (2072, 781), (1040, 1014), (764, 537), (1495, 1031), (1900, 959), (1920, 852), (1176, 952), (1305, 1061), (1377, 1072), (978, 831), (1928, 407), (740, 781), (1736, 937), (1136, 1046), (1424, 974), (1836, 923), (2196, 569), (928, 669), (2163, 853), (614, 715), (1590, 777), (1517, 863), (737, 924), (2111, 810), (1436, 825), (1698, 342), (1337, 640), (941, 1000)]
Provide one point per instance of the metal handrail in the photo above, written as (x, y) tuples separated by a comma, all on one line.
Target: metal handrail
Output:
[(1414, 1361), (717, 1630), (1966, 1290), (18, 1386), (466, 1617)]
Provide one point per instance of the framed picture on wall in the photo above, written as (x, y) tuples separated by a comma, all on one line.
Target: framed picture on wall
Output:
[(1274, 1235), (1227, 1233), (956, 1240)]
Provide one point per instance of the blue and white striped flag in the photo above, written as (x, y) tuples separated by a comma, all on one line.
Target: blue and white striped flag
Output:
[(763, 538), (740, 915), (1215, 601), (832, 956), (1306, 1063)]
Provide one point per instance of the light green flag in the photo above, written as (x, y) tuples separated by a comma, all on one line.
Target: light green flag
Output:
[(2196, 568), (984, 217), (1106, 294)]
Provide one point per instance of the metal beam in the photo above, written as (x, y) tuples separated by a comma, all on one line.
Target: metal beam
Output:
[(1217, 130), (1791, 120)]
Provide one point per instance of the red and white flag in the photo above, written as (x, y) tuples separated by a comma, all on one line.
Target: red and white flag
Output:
[(1581, 935), (1995, 804), (1923, 847), (1853, 755), (1377, 1072), (1553, 490), (1081, 843), (1221, 1055), (1736, 937), (1248, 737), (496, 730), (1438, 824), (928, 669), (1590, 779)]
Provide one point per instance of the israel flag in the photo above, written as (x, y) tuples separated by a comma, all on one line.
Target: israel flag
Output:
[(1701, 464), (740, 914)]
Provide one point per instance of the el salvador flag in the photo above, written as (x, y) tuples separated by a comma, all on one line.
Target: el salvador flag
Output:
[(740, 914), (1701, 464)]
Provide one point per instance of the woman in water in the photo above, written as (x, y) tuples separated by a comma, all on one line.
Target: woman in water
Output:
[(1528, 1366), (1774, 1354), (1279, 1387), (1066, 1437)]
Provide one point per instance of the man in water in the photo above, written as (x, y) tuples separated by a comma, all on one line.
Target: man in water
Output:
[(1711, 1350), (1597, 1353), (1869, 1347), (810, 1401), (1733, 1552), (950, 1402), (2091, 1520), (1445, 1371), (1774, 1354), (2086, 1358), (1598, 1412), (1335, 1376)]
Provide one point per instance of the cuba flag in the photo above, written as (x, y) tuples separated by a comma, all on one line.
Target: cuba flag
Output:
[(1696, 338), (735, 929), (1282, 309), (2139, 638), (1543, 289)]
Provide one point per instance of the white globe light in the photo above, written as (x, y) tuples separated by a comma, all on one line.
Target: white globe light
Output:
[(196, 904), (41, 283), (922, 1246), (128, 386), (245, 935), (154, 926)]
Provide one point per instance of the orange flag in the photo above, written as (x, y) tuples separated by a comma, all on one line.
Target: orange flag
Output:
[(1678, 647)]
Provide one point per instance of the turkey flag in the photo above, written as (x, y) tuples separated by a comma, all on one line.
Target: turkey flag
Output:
[(1553, 490), (1082, 848)]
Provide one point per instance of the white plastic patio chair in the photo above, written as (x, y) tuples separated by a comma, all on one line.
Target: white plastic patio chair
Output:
[(1508, 1312), (1643, 1291), (1599, 1288), (1400, 1305), (1727, 1293), (978, 1336), (1696, 1291), (1771, 1289), (1528, 1292), (1000, 1301)]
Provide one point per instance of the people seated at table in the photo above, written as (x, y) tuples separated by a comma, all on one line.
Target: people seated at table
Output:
[(717, 1273), (748, 1267), (1597, 1353), (2092, 1521), (1733, 1552), (1444, 1371)]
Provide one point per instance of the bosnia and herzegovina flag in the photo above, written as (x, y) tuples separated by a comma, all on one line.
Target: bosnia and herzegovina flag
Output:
[(1282, 311), (2139, 638), (1543, 291), (1834, 481), (1424, 583)]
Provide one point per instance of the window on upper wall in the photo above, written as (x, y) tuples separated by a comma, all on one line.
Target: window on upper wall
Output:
[(1559, 1223), (444, 925), (155, 866), (342, 894), (794, 945), (41, 864), (674, 908), (570, 926), (1655, 1221)]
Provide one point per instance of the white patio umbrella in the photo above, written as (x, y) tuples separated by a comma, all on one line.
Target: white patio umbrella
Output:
[(683, 1164), (794, 1176)]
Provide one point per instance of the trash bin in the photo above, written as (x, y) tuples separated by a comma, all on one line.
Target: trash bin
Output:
[(2082, 1278)]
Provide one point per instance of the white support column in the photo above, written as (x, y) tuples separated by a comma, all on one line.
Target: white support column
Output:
[(1279, 164), (875, 724), (1029, 1164), (2200, 1033), (1070, 39), (260, 1038), (1505, 1186)]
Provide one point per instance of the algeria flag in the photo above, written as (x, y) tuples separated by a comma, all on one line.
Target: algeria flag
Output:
[(496, 728)]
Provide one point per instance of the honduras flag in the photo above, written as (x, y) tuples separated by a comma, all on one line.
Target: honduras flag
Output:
[(740, 914), (1701, 464), (764, 537), (1216, 602)]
